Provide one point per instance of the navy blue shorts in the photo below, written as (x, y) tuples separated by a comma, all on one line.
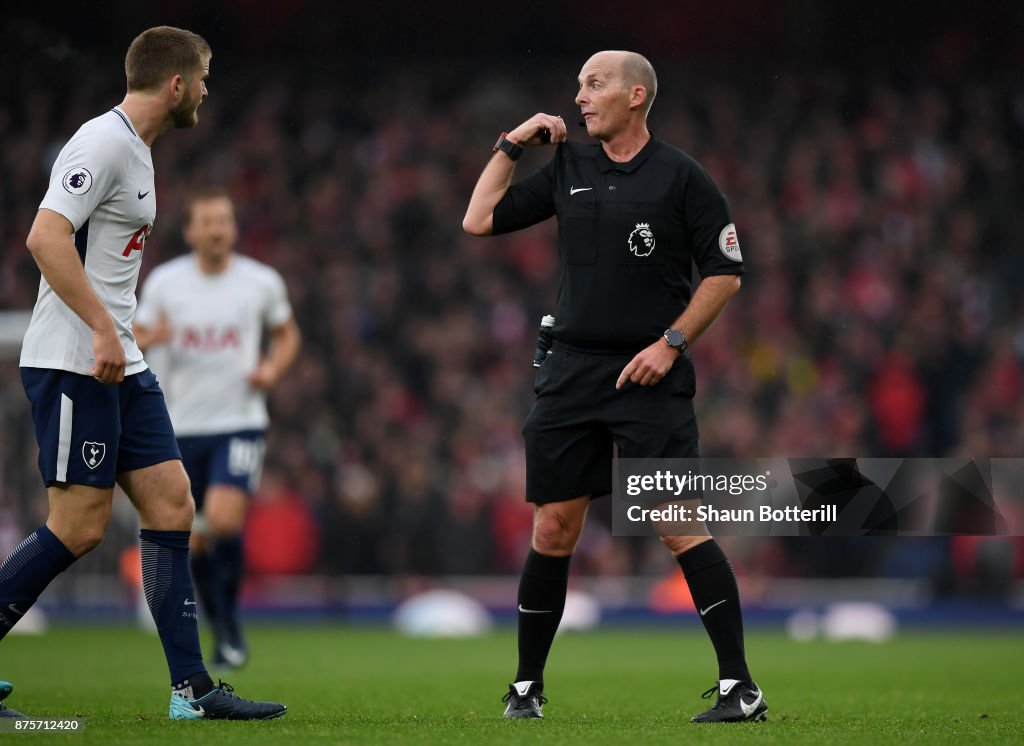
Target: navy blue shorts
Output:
[(579, 419), (234, 459), (89, 432)]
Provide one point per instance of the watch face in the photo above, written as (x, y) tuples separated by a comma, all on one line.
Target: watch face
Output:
[(675, 338)]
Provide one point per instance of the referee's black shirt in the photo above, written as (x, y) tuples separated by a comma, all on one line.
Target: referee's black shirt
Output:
[(627, 236)]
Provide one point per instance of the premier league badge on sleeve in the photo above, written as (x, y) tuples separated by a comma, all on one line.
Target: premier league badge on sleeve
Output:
[(77, 181)]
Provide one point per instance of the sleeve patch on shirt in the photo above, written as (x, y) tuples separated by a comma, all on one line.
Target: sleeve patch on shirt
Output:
[(77, 181), (729, 243)]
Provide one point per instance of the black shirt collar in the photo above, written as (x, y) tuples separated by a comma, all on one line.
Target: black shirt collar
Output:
[(606, 164)]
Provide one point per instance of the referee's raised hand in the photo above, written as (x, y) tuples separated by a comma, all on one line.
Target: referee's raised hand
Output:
[(494, 181), (531, 132)]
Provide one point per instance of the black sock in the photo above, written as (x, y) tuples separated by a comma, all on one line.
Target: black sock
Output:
[(713, 588), (227, 555), (542, 590), (203, 578)]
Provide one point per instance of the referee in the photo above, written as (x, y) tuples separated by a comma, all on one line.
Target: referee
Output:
[(633, 213)]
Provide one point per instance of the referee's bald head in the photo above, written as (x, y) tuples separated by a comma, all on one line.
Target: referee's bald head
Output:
[(635, 69)]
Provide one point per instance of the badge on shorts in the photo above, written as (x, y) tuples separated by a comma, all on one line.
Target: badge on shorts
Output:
[(729, 243), (77, 181), (93, 453)]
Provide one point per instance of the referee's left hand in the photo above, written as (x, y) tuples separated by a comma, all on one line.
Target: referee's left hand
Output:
[(649, 366)]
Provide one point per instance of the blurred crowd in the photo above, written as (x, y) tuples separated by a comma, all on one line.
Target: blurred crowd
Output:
[(880, 314)]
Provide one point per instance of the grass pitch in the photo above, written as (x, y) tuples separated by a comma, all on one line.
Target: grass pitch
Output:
[(345, 685)]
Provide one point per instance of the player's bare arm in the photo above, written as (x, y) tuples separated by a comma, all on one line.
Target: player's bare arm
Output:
[(285, 341), (51, 246), (497, 174), (652, 363), (159, 333)]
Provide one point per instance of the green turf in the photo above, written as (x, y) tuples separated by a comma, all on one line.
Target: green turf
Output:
[(347, 685)]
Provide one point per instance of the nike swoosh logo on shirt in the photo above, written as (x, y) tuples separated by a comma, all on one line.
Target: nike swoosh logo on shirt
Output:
[(142, 195), (573, 190)]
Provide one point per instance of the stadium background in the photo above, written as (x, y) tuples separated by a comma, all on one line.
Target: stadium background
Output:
[(872, 158)]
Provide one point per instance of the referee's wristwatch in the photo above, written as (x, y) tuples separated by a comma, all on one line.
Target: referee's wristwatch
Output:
[(676, 340), (509, 148)]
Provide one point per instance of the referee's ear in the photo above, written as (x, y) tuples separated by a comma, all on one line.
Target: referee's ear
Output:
[(638, 99)]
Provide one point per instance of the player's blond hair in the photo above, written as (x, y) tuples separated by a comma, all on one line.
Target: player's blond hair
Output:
[(206, 194), (162, 51)]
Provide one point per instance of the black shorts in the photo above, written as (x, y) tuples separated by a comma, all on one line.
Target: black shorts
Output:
[(579, 418)]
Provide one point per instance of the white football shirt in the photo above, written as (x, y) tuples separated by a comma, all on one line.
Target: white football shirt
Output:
[(218, 323), (102, 182)]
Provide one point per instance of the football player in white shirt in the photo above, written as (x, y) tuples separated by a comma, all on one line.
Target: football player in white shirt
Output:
[(210, 309), (99, 413)]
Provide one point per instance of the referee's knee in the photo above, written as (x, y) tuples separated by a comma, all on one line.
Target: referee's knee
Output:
[(553, 535), (680, 544)]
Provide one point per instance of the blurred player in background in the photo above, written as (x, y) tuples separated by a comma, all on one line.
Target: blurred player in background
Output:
[(634, 214), (99, 413), (210, 308)]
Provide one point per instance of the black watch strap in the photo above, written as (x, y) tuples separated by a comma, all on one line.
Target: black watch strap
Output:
[(508, 147)]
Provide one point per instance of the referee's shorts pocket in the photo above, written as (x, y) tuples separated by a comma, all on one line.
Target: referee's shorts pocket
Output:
[(545, 378), (541, 376)]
